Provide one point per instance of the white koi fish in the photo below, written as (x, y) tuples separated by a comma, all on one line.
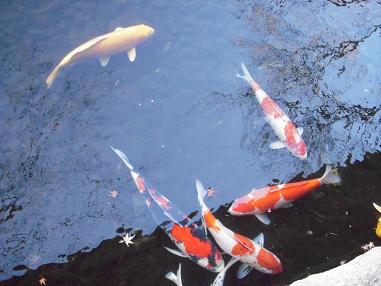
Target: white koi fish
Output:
[(175, 278), (250, 252), (102, 47), (288, 134)]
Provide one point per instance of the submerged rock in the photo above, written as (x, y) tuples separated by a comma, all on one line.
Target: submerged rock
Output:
[(363, 270)]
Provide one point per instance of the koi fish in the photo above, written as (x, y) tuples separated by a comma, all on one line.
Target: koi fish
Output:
[(288, 134), (378, 228), (259, 202), (190, 239), (175, 278), (118, 41), (250, 252)]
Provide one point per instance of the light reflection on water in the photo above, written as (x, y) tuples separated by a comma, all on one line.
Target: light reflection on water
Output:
[(178, 111)]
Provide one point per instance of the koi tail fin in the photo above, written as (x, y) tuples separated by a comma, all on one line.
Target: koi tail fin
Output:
[(201, 192), (52, 76), (123, 157), (176, 279), (171, 276), (246, 75), (219, 280), (330, 176)]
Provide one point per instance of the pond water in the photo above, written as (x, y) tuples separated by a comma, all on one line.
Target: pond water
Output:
[(179, 111)]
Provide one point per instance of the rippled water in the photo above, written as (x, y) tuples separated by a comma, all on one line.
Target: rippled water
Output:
[(178, 111)]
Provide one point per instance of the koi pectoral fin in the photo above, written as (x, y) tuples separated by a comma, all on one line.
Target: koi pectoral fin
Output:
[(277, 145), (104, 61), (287, 205), (300, 130), (259, 239), (132, 54), (243, 270), (377, 207), (264, 218), (175, 252)]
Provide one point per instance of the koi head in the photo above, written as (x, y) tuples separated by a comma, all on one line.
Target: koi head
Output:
[(241, 206), (268, 262), (295, 142), (300, 150), (145, 30)]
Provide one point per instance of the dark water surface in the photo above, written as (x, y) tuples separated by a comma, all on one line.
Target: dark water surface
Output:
[(180, 113)]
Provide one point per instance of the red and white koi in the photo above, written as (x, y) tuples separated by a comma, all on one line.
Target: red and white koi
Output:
[(259, 202), (250, 252), (191, 240), (288, 134)]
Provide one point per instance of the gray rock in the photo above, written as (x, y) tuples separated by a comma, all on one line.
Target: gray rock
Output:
[(364, 270)]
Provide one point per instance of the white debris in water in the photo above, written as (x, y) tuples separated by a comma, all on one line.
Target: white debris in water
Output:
[(152, 100), (368, 246), (162, 146), (310, 232)]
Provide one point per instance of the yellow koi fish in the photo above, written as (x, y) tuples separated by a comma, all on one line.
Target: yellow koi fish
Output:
[(378, 228), (102, 47)]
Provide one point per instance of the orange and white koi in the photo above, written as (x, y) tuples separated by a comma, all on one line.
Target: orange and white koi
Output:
[(259, 202), (378, 228), (102, 47), (250, 252), (190, 239), (288, 134)]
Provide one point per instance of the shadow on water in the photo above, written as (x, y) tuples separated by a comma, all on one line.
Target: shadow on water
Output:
[(180, 113)]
